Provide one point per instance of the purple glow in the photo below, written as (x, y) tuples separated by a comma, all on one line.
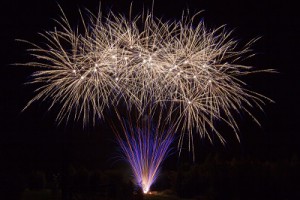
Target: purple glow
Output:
[(145, 148)]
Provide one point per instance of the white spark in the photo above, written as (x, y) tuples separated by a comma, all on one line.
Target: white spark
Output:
[(161, 86)]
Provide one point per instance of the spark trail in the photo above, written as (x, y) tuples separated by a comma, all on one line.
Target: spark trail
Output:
[(145, 146), (190, 72)]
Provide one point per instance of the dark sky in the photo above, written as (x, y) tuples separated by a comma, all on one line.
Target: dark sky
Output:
[(33, 136)]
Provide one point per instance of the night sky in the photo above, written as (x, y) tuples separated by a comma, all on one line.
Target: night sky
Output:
[(32, 139)]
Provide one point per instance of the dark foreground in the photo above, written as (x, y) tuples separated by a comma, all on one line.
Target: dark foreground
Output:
[(213, 179)]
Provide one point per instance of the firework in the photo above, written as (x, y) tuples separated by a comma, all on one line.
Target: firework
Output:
[(144, 146), (180, 67)]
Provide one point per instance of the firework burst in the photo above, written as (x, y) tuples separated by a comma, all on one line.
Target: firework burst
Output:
[(181, 67)]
